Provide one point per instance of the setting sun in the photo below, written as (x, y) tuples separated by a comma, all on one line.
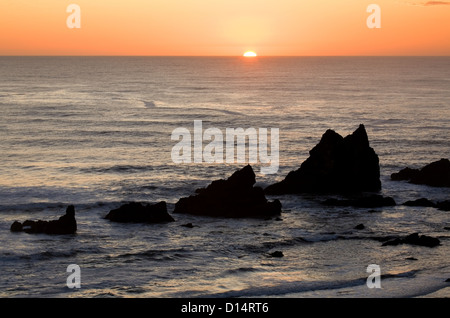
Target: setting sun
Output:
[(250, 54)]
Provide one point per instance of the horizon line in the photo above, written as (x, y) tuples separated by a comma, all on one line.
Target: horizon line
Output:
[(204, 56)]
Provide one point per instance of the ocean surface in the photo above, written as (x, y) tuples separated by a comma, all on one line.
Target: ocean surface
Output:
[(95, 132)]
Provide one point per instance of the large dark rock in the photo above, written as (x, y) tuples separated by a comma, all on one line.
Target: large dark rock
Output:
[(436, 174), (373, 201), (414, 239), (235, 197), (335, 165), (139, 213), (66, 224)]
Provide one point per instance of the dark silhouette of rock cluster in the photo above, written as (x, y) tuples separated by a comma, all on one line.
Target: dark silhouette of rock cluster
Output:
[(66, 224), (335, 165), (235, 197)]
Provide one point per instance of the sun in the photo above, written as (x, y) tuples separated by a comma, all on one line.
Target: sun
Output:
[(250, 54)]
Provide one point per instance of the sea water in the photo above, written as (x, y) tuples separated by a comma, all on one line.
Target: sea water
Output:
[(95, 132)]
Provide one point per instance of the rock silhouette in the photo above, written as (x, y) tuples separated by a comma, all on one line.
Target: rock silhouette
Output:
[(414, 239), (276, 254), (423, 202), (359, 227), (135, 212), (66, 224), (235, 197), (335, 165), (436, 174)]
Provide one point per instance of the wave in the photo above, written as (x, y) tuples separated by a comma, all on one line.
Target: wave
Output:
[(119, 169), (39, 256), (303, 286), (241, 270), (320, 238), (155, 254)]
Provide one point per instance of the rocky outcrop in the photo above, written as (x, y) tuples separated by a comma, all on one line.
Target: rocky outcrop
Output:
[(135, 212), (66, 224), (436, 174), (373, 201), (414, 239), (335, 165), (235, 197)]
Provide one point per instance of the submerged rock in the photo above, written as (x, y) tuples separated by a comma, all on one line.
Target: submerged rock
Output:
[(436, 174), (235, 197), (373, 201), (414, 239), (66, 224), (139, 213), (443, 205), (423, 202), (335, 165)]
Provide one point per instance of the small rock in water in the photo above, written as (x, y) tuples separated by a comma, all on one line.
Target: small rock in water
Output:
[(139, 213), (372, 201), (360, 227), (423, 202), (414, 239), (443, 205), (277, 254)]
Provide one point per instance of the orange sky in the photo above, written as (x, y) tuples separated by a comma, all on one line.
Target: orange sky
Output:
[(224, 27)]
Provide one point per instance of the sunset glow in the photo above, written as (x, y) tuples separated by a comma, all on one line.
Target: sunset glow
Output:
[(224, 28), (250, 54)]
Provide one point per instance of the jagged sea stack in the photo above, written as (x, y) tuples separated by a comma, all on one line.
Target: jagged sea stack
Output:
[(335, 165), (235, 197)]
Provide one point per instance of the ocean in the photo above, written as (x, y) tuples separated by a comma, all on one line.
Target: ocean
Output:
[(95, 132)]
